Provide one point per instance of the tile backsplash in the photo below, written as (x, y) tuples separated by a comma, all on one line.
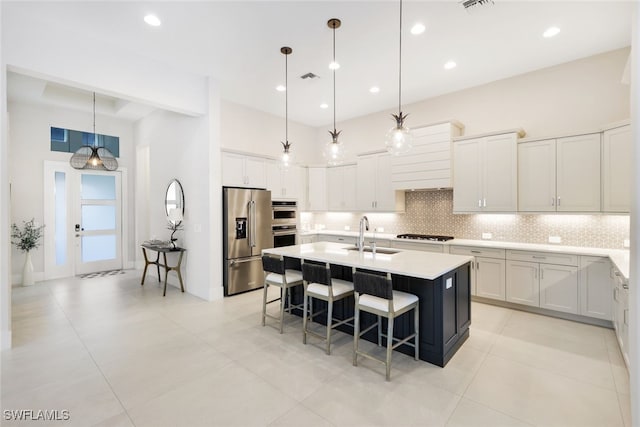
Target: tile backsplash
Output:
[(431, 212)]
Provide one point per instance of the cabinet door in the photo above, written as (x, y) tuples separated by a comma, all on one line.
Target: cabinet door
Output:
[(559, 288), (537, 176), (255, 172), (490, 278), (578, 174), (500, 174), (292, 182), (366, 183), (616, 169), (233, 170), (274, 180), (523, 286), (467, 178), (317, 197), (349, 183), (334, 189), (596, 287), (385, 194)]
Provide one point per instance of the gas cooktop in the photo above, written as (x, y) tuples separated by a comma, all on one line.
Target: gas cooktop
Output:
[(431, 237)]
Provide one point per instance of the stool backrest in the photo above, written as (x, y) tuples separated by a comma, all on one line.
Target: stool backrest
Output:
[(314, 273), (273, 264), (373, 284)]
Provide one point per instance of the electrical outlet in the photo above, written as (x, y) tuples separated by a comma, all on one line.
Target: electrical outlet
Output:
[(380, 229), (487, 236), (555, 239), (626, 243)]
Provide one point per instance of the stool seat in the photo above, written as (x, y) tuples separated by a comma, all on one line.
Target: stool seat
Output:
[(401, 300), (340, 287), (291, 276)]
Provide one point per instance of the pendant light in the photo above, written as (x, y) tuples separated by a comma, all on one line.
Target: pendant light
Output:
[(399, 139), (92, 156), (286, 158), (334, 151)]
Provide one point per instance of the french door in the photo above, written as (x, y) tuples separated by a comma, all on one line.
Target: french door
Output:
[(83, 217)]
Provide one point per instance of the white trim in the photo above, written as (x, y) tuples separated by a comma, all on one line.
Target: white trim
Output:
[(124, 220), (16, 279), (5, 343)]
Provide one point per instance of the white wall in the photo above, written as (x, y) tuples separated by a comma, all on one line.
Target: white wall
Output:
[(179, 148), (250, 130), (30, 144), (580, 95)]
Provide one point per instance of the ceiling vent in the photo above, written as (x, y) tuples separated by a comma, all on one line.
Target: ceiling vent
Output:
[(309, 76), (471, 5)]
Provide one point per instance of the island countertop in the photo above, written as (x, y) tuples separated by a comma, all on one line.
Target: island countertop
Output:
[(424, 265)]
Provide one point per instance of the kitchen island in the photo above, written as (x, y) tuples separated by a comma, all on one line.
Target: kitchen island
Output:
[(441, 282)]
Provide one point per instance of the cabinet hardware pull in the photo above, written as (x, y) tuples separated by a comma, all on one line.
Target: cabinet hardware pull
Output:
[(553, 201), (542, 274), (477, 266), (558, 201), (484, 203), (625, 286), (476, 252), (535, 273), (479, 203), (539, 257)]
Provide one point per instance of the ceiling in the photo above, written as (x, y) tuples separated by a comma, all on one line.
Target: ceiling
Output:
[(238, 43)]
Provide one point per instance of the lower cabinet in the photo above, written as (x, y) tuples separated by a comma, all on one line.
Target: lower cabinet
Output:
[(552, 285), (487, 270), (336, 238), (596, 287), (307, 239), (621, 313), (418, 246)]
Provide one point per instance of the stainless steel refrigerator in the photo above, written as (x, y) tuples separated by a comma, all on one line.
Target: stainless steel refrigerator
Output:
[(247, 231)]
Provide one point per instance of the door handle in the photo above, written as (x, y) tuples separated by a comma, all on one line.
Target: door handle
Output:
[(254, 223)]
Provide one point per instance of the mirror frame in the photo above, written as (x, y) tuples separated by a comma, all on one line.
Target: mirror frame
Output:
[(181, 200)]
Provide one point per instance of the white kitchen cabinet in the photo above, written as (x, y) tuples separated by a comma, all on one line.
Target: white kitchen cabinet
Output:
[(239, 170), (317, 194), (485, 174), (428, 164), (543, 279), (418, 246), (337, 238), (621, 313), (560, 175), (310, 238), (374, 189), (616, 169), (341, 188), (596, 287), (487, 270), (284, 184)]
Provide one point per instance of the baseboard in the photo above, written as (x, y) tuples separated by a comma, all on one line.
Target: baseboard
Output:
[(16, 279), (217, 293)]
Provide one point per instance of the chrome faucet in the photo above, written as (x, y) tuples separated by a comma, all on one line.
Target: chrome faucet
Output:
[(364, 222)]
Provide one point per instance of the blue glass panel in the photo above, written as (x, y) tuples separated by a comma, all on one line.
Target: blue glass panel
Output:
[(98, 187), (60, 234), (75, 140), (59, 135), (98, 248), (69, 141), (98, 217)]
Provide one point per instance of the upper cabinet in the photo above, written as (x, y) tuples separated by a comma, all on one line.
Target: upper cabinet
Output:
[(560, 175), (317, 189), (341, 188), (285, 184), (485, 174), (616, 169), (239, 170), (374, 190), (428, 164)]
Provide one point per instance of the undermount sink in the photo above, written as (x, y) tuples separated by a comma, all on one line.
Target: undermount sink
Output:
[(385, 251)]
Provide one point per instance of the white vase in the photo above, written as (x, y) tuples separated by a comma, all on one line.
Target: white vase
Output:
[(27, 271)]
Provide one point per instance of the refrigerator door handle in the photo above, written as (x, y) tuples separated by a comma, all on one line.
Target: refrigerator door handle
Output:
[(252, 222)]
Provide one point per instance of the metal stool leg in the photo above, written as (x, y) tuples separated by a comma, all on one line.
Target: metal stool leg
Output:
[(283, 292), (356, 334), (389, 346), (304, 315), (264, 303), (329, 322), (416, 325)]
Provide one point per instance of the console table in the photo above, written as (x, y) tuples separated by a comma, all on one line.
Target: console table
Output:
[(162, 250)]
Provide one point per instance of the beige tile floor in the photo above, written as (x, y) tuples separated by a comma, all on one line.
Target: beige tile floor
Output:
[(115, 354)]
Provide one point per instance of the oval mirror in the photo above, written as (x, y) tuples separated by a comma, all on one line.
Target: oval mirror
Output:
[(174, 202)]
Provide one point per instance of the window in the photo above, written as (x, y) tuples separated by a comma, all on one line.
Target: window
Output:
[(69, 141)]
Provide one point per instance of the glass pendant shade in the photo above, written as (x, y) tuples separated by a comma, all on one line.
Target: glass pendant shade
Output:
[(334, 152), (287, 158), (399, 140)]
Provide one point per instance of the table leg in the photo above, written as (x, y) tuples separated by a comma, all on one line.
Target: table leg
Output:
[(158, 263), (166, 273), (146, 265), (177, 268)]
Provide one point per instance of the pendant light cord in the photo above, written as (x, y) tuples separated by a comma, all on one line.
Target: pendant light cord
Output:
[(400, 65), (94, 120), (286, 98), (334, 77)]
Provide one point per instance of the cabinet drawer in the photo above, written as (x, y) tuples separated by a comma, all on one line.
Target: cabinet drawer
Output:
[(415, 246), (336, 239), (477, 251), (544, 257)]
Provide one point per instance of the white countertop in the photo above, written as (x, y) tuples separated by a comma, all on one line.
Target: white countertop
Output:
[(424, 265), (619, 257)]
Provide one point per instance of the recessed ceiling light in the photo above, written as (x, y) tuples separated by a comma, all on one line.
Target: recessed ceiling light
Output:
[(374, 89), (281, 88), (334, 66), (324, 105), (418, 28), (152, 20), (551, 32), (450, 65)]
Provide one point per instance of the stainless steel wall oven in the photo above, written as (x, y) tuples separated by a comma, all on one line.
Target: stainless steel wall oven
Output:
[(285, 217)]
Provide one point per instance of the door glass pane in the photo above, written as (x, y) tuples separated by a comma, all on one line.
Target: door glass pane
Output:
[(97, 217), (60, 232), (98, 248), (98, 187)]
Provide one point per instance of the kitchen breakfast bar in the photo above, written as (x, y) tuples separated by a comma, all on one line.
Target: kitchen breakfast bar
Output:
[(441, 282)]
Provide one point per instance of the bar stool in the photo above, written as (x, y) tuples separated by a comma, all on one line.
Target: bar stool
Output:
[(374, 294), (319, 284), (275, 274)]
